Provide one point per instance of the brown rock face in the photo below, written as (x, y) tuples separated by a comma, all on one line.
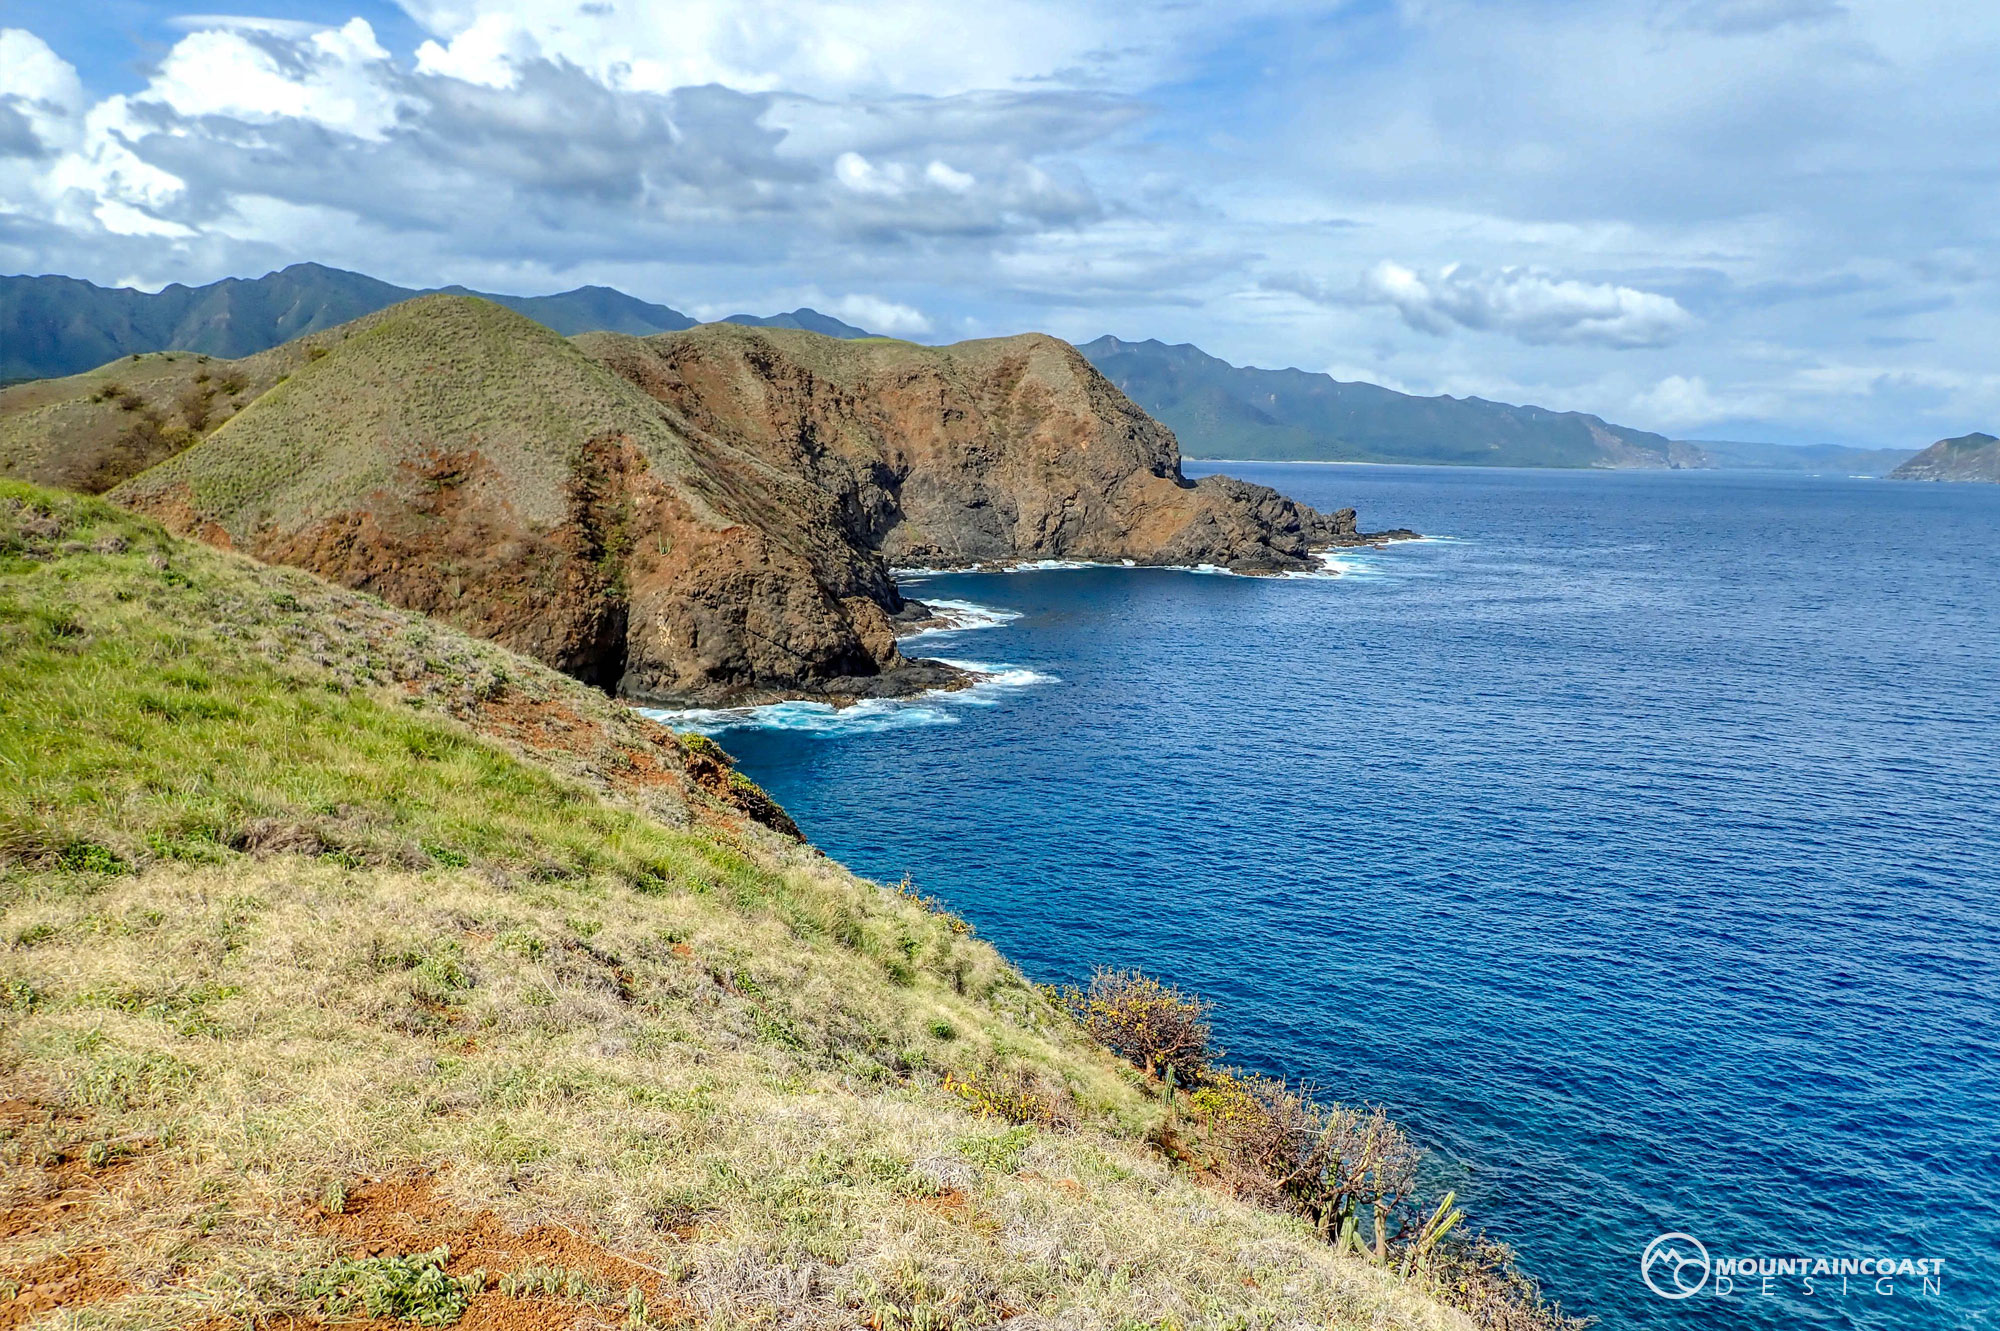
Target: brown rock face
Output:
[(699, 518), (457, 459), (1009, 449)]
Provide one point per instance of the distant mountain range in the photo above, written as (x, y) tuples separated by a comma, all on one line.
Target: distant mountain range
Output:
[(1835, 459), (52, 326), (1221, 410)]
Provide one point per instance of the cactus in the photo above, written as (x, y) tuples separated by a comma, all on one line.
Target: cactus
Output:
[(1443, 1219)]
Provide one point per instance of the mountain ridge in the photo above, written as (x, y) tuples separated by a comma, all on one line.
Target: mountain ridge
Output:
[(57, 326), (1243, 413)]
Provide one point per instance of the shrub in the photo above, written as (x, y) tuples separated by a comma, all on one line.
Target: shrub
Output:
[(1017, 1095), (194, 403), (1153, 1024), (1347, 1170), (1477, 1275)]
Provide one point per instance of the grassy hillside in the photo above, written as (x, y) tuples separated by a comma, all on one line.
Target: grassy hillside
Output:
[(93, 430), (352, 967), (439, 375), (1970, 457)]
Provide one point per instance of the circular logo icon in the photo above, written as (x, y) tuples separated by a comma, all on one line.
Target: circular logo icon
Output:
[(1675, 1266)]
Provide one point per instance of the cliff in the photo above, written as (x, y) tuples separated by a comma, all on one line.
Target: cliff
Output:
[(989, 451), (360, 968), (707, 516), (1970, 457), (457, 459)]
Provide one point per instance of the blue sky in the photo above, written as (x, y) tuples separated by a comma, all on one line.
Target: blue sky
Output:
[(1715, 218)]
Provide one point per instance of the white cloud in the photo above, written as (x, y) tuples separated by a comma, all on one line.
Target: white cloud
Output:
[(489, 52), (338, 78), (1781, 173), (943, 176), (1536, 308), (32, 72), (881, 316), (103, 177), (818, 48), (1679, 401), (41, 96), (864, 177)]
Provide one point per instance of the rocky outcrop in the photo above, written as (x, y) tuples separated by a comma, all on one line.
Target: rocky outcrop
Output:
[(707, 517), (457, 459), (980, 453), (1970, 457)]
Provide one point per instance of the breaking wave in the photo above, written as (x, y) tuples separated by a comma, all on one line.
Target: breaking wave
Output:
[(938, 707)]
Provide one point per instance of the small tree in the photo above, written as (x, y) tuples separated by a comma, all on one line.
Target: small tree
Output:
[(1153, 1024)]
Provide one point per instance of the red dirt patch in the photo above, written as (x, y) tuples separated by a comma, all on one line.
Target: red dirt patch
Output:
[(46, 1153), (66, 1281), (405, 1215)]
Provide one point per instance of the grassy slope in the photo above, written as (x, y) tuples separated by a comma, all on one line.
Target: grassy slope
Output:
[(300, 892), (444, 372), (92, 430)]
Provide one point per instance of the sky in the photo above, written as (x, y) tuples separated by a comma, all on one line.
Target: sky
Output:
[(1719, 219)]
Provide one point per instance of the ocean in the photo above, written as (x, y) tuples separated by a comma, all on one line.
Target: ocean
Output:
[(1635, 840)]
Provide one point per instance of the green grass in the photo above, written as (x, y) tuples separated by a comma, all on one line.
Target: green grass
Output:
[(114, 700), (278, 918), (452, 374)]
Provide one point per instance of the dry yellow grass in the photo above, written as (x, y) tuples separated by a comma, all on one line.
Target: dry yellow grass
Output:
[(735, 1072)]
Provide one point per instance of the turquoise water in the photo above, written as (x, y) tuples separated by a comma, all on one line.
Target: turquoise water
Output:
[(1638, 845)]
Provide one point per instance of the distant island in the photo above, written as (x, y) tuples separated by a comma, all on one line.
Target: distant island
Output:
[(1970, 457), (1831, 459)]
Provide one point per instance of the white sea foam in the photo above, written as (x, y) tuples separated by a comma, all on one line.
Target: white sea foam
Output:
[(1348, 561), (961, 617), (938, 707), (1011, 566)]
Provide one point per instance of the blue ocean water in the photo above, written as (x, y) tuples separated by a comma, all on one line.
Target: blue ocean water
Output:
[(1638, 845)]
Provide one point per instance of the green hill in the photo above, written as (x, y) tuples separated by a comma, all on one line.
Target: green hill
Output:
[(357, 968), (462, 460), (1221, 410), (1970, 457)]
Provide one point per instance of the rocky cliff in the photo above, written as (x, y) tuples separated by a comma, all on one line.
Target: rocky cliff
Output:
[(1970, 457), (989, 451), (458, 459), (699, 517)]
